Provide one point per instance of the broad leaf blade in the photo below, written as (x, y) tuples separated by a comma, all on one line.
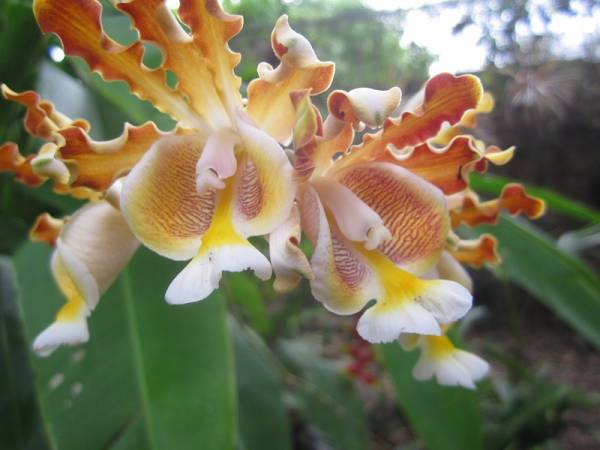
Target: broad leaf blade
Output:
[(153, 376), (445, 418), (565, 284), (262, 415)]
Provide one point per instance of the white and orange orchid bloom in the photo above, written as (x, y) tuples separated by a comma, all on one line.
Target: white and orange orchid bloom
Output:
[(195, 193), (379, 214)]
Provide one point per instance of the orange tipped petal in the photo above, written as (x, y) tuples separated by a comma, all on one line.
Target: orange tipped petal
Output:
[(96, 164), (41, 119), (46, 229), (477, 252), (513, 199), (447, 98), (196, 59), (413, 210), (269, 103), (12, 161), (448, 167), (78, 25)]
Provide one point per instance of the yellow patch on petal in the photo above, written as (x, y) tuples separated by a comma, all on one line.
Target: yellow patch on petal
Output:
[(439, 346)]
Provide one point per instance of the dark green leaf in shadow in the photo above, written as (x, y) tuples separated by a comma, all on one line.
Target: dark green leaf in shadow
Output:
[(445, 418), (325, 396), (533, 261), (263, 423), (153, 376)]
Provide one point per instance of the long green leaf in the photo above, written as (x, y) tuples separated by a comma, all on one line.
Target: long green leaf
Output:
[(262, 414), (493, 184), (153, 376), (533, 260), (445, 418)]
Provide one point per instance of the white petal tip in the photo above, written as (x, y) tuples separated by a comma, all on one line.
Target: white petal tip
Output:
[(446, 300), (381, 323), (61, 333)]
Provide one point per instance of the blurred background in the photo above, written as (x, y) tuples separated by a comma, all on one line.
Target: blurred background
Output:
[(250, 369)]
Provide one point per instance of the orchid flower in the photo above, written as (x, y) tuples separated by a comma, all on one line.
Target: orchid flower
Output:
[(380, 214), (195, 193)]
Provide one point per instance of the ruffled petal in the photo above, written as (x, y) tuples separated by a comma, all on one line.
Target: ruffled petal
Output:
[(448, 167), (160, 202), (13, 162), (413, 210), (90, 252), (513, 199), (202, 61), (477, 252), (288, 261), (78, 25), (41, 118), (269, 103), (364, 106), (97, 164), (46, 229), (446, 99)]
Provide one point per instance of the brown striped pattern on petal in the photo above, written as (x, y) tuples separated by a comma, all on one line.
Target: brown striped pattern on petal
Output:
[(160, 202), (413, 210)]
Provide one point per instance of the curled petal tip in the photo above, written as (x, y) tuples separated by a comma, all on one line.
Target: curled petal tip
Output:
[(60, 333), (376, 236)]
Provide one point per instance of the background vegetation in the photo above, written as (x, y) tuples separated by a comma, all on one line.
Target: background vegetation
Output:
[(249, 369)]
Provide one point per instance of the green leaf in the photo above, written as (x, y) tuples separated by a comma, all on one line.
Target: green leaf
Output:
[(20, 421), (153, 376), (243, 291), (325, 397), (262, 415), (445, 418), (533, 261), (493, 184)]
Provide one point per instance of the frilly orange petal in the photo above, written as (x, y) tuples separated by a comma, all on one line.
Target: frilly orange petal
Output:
[(46, 229), (447, 98), (96, 164), (194, 59), (477, 252), (316, 143), (41, 118), (269, 103), (78, 25), (448, 167), (12, 161), (513, 199)]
